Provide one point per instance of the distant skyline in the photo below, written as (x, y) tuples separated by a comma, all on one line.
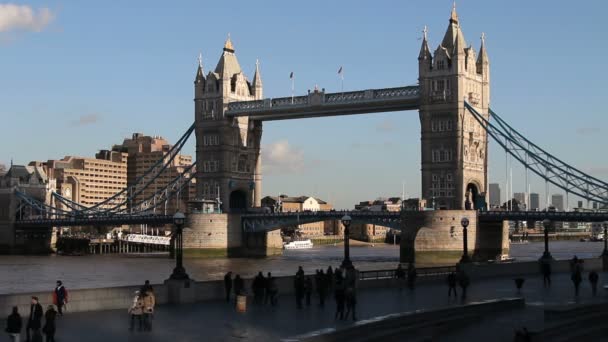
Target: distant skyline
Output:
[(81, 76)]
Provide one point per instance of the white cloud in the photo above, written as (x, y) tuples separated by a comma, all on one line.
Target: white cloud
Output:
[(22, 17), (85, 120), (279, 157)]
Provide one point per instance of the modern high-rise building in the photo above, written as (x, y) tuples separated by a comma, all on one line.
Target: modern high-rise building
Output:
[(89, 181), (145, 151), (557, 201), (579, 204), (521, 198), (534, 201), (494, 194)]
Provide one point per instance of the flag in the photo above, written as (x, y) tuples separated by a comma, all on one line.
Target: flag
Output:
[(291, 75), (340, 71)]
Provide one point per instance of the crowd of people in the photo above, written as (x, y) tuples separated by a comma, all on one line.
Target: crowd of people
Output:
[(34, 327), (341, 282)]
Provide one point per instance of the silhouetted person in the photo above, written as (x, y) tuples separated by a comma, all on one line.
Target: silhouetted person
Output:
[(340, 296), (146, 288), (593, 279), (545, 267), (308, 289), (411, 276), (49, 324), (321, 284), (452, 285), (299, 288), (34, 321), (228, 285), (329, 276), (257, 285), (239, 285), (60, 297), (576, 277), (272, 289), (14, 323), (300, 271), (463, 280), (351, 303)]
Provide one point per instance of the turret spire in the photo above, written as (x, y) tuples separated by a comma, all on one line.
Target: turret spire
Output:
[(200, 72), (482, 59), (257, 81), (228, 45), (425, 53), (454, 15)]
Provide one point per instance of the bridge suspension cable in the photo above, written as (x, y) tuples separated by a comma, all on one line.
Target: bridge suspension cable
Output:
[(541, 162)]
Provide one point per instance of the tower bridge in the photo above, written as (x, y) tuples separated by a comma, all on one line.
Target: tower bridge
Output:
[(453, 101)]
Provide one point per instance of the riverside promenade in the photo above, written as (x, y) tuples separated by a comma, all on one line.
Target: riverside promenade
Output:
[(215, 320)]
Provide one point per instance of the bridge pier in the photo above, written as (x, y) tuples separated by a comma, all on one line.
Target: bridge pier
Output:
[(492, 240), (430, 237)]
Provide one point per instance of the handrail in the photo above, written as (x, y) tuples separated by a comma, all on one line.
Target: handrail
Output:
[(420, 272)]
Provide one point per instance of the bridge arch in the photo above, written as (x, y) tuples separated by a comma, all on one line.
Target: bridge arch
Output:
[(238, 200)]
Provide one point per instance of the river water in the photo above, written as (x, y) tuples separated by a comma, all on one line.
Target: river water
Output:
[(38, 273)]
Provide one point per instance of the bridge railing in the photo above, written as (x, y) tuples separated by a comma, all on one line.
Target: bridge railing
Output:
[(420, 272)]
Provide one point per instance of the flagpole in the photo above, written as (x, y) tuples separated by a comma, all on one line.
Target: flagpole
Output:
[(293, 80)]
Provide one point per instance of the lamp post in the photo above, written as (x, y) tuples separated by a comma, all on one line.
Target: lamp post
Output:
[(546, 253), (605, 252), (179, 273), (346, 220), (465, 249)]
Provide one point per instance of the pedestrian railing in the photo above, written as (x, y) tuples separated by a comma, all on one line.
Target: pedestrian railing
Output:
[(420, 272)]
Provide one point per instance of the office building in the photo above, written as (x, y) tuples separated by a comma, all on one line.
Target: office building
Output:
[(534, 201), (557, 201), (495, 199)]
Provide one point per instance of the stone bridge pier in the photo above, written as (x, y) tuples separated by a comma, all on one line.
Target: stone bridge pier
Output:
[(431, 237)]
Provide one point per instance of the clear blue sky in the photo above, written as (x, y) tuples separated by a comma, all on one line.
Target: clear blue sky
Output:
[(83, 75)]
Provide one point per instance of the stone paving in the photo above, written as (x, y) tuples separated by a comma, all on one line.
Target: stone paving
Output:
[(218, 321)]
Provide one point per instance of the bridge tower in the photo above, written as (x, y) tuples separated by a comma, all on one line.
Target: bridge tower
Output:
[(227, 149), (454, 145)]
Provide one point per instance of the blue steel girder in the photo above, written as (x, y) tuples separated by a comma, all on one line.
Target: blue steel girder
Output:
[(97, 220), (541, 162), (560, 216), (319, 104), (268, 222)]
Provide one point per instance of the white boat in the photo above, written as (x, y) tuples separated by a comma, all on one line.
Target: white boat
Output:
[(300, 244)]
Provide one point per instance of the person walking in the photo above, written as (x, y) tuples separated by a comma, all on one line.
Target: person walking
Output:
[(299, 288), (49, 323), (257, 286), (320, 283), (329, 275), (308, 289), (452, 285), (411, 276), (339, 295), (228, 285), (272, 289), (14, 323), (60, 297), (34, 321), (400, 276), (146, 288), (576, 277), (136, 311), (239, 286), (593, 279), (546, 271), (149, 303), (463, 280), (350, 292), (300, 271)]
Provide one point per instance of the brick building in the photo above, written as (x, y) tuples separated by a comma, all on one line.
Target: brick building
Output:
[(303, 203)]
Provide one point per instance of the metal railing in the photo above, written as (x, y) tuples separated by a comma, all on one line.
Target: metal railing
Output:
[(420, 272)]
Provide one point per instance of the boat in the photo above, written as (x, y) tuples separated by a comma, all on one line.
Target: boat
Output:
[(299, 244)]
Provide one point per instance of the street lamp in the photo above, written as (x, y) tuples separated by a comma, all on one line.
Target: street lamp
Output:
[(346, 220), (465, 249), (179, 273), (546, 225), (605, 253)]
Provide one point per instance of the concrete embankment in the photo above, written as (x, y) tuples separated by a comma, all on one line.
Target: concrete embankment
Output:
[(121, 297)]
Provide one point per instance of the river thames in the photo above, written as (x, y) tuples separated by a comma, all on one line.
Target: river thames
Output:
[(20, 274)]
